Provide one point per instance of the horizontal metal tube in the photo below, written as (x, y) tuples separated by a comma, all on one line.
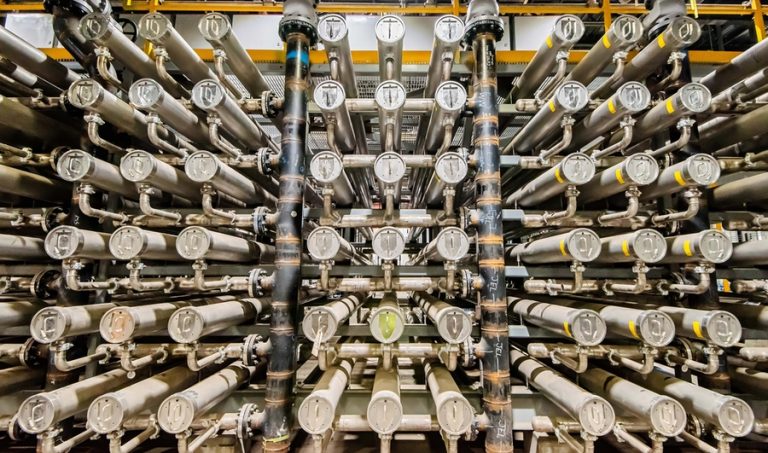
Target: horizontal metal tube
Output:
[(630, 99), (387, 321), (20, 378), (637, 170), (189, 324), (318, 410), (709, 245), (196, 243), (66, 241), (211, 96), (141, 167), (52, 324), (646, 245), (450, 169), (584, 326), (453, 323), (574, 170), (89, 95), (148, 94), (699, 170), (18, 312), (321, 323), (78, 166), (580, 244), (742, 65), (34, 60), (205, 167), (325, 243), (33, 186), (21, 248), (715, 326)]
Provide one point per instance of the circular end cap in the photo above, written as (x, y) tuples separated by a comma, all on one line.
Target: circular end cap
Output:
[(587, 328), (154, 26), (145, 93), (388, 243), (385, 413), (627, 30), (75, 165), (451, 96), (455, 415), (389, 167), (176, 414), (85, 93), (649, 246), (117, 325), (596, 416), (657, 329), (641, 169), (715, 246), (736, 417), (583, 245), (390, 29), (572, 96), (449, 29), (685, 30), (695, 97), (186, 325), (193, 243), (94, 26), (390, 95), (452, 243), (703, 169), (668, 416), (127, 242), (319, 319), (323, 243), (36, 414), (214, 26), (568, 29), (62, 242), (387, 325), (106, 413), (723, 328), (454, 325), (208, 94), (326, 167), (329, 95), (577, 168), (451, 168), (316, 414), (202, 166), (137, 165), (332, 28), (634, 96)]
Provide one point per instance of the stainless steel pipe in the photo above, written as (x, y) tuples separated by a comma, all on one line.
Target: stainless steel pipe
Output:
[(646, 245), (629, 100), (580, 244), (321, 323), (78, 166), (699, 170), (35, 61), (574, 170), (709, 246), (148, 94), (33, 186), (453, 324), (189, 324), (65, 242), (205, 167), (89, 95), (638, 170), (197, 243), (714, 326), (21, 248), (142, 167), (390, 31), (129, 242), (584, 326)]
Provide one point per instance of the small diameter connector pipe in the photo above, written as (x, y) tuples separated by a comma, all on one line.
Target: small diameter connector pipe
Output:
[(453, 324), (45, 410), (21, 248), (326, 244), (580, 244), (189, 324), (141, 167), (454, 413), (177, 413), (390, 31), (90, 95), (595, 415), (79, 166), (130, 243), (327, 168), (450, 244), (318, 410), (584, 326), (198, 243), (717, 327), (666, 416), (710, 246), (204, 167), (387, 321), (574, 170), (731, 415), (637, 170), (66, 241), (148, 94), (699, 170), (320, 323)]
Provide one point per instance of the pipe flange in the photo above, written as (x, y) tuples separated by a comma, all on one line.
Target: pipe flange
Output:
[(249, 350), (299, 24), (243, 431), (51, 218), (254, 282), (42, 285), (268, 109), (466, 282), (483, 24), (260, 220)]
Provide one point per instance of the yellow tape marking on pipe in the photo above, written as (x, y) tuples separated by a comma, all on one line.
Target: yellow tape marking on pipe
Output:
[(611, 107), (625, 247), (619, 176), (549, 41), (562, 248), (633, 329), (558, 176), (687, 248), (567, 328), (697, 329), (552, 105), (670, 106), (606, 42), (661, 42), (679, 178)]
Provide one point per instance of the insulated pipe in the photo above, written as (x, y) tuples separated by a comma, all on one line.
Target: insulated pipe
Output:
[(665, 415), (318, 410), (630, 99), (21, 248), (19, 378), (623, 34), (710, 246), (107, 413), (217, 30), (744, 127), (34, 60), (390, 98), (699, 170), (157, 29), (385, 410), (454, 413), (750, 253), (566, 32), (450, 169), (450, 244), (206, 167), (737, 193), (88, 94), (646, 245), (330, 99), (483, 29), (574, 170), (148, 94), (730, 414), (584, 326), (198, 243), (636, 170), (448, 33), (453, 324), (209, 95), (31, 185), (321, 323), (142, 167), (387, 322), (714, 326), (450, 99), (390, 31), (580, 244), (44, 411), (327, 168), (19, 312), (570, 97), (741, 66), (595, 415), (325, 243), (130, 242), (78, 166), (66, 241), (52, 324), (189, 324)]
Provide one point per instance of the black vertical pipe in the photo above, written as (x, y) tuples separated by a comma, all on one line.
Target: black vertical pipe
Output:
[(298, 32), (483, 30)]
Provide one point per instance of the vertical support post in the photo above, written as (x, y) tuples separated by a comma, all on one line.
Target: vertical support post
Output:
[(298, 29), (606, 7), (483, 30), (757, 9)]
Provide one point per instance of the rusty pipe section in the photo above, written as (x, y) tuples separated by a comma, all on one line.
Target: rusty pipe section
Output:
[(574, 170), (321, 323), (584, 326), (453, 323), (34, 60), (189, 324)]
